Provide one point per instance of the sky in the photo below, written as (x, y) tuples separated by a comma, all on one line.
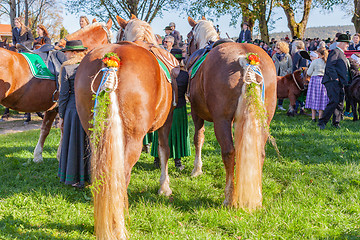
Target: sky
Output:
[(317, 18)]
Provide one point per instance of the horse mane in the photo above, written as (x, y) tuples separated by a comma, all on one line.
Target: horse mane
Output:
[(204, 32), (137, 29), (89, 28)]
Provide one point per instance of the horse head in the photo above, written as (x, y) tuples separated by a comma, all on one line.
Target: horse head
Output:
[(135, 30), (92, 35), (302, 78), (202, 34)]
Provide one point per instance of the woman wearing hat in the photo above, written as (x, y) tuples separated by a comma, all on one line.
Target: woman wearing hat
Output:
[(74, 156), (179, 141), (245, 34)]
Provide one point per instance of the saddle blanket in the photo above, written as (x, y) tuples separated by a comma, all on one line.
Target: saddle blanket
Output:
[(165, 69), (38, 67), (197, 65)]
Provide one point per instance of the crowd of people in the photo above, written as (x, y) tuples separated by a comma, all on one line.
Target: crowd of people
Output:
[(329, 73)]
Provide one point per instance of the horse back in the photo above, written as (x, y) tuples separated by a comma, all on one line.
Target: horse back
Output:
[(144, 95)]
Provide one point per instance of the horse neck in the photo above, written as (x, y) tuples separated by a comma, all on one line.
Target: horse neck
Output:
[(138, 30), (300, 82), (206, 33), (91, 36)]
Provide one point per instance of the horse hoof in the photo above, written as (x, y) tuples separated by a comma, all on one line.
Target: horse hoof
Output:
[(38, 159), (165, 191), (195, 173)]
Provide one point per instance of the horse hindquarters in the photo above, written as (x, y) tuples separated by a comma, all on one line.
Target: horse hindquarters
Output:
[(249, 146)]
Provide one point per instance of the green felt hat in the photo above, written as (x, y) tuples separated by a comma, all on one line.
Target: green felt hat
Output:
[(74, 45)]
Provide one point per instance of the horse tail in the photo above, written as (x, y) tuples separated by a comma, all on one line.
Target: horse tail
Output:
[(249, 134), (108, 173)]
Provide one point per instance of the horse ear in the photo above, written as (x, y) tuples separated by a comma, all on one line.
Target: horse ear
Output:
[(121, 22), (203, 18), (109, 24), (133, 16), (191, 22), (94, 20)]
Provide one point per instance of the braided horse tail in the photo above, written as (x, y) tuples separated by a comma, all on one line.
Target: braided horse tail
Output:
[(250, 135), (108, 173)]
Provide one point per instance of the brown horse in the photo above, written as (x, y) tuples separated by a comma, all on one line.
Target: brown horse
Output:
[(141, 103), (291, 86), (21, 91), (219, 94)]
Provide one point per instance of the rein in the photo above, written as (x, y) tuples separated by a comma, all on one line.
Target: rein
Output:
[(293, 77)]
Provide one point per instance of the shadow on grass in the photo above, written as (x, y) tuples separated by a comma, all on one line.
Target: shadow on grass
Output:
[(14, 228)]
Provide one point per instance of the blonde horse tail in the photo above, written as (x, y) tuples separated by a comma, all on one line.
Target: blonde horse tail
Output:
[(108, 176), (249, 134)]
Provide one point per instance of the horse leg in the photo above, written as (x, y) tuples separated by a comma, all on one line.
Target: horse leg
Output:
[(132, 155), (224, 136), (198, 141), (354, 108), (291, 111), (164, 153), (45, 129)]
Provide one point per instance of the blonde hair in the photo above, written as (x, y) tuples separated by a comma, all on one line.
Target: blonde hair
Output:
[(86, 19), (282, 46), (324, 53), (23, 27)]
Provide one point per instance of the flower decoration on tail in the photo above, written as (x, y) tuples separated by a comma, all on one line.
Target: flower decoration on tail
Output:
[(252, 58), (111, 60)]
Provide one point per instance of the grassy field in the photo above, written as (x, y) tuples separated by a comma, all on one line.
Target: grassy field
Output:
[(311, 192)]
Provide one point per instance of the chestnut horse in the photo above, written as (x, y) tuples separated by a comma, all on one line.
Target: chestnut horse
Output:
[(291, 86), (141, 103), (21, 91), (219, 94)]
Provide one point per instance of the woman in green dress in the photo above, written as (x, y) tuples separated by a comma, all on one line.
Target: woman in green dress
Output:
[(179, 141)]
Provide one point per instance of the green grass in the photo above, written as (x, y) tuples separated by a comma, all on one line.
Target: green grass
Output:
[(311, 192)]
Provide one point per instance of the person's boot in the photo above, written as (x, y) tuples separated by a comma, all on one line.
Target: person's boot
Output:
[(28, 118), (178, 164), (157, 162)]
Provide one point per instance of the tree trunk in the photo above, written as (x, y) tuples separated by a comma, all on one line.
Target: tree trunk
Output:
[(297, 29), (26, 13), (248, 16), (12, 14), (263, 24), (356, 17)]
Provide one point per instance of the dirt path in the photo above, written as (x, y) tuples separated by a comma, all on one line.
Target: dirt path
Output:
[(15, 123)]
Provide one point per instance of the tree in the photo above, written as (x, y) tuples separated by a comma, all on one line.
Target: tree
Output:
[(145, 10), (296, 28), (250, 11)]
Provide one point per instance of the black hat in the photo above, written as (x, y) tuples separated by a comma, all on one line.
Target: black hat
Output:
[(343, 38), (167, 28), (304, 54), (177, 53), (74, 45)]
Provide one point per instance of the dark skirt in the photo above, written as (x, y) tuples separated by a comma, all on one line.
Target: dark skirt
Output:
[(74, 165), (179, 140), (148, 138)]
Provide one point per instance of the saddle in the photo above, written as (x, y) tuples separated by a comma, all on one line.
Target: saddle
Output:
[(198, 54), (52, 58)]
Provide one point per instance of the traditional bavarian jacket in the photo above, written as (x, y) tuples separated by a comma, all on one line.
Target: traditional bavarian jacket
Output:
[(317, 68)]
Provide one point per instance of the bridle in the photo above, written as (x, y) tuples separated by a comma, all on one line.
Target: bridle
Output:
[(302, 75)]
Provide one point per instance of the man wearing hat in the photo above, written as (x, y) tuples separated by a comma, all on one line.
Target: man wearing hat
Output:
[(245, 34), (179, 140), (176, 35), (335, 77), (74, 163)]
